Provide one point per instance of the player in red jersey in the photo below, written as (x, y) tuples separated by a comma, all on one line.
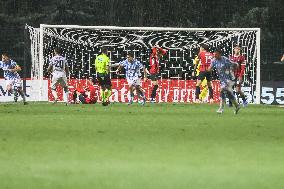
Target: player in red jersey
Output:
[(157, 53), (87, 95), (205, 58), (239, 73)]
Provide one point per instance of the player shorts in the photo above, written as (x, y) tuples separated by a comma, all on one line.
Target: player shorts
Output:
[(58, 80), (227, 85), (154, 77), (17, 82), (203, 75), (103, 79), (238, 82), (134, 81)]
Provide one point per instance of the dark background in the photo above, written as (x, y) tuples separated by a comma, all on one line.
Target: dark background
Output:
[(265, 14)]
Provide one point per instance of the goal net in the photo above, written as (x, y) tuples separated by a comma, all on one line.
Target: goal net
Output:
[(81, 45)]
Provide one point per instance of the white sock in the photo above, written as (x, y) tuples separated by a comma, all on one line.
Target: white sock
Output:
[(65, 97), (54, 93)]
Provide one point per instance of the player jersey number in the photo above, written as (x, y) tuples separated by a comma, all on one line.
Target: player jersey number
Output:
[(208, 59), (59, 64)]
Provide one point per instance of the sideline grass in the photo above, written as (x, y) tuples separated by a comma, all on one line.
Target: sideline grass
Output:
[(165, 146)]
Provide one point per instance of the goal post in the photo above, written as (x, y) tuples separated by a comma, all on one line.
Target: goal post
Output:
[(81, 44)]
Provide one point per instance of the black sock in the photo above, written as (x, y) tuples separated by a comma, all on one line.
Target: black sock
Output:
[(74, 96), (243, 97), (197, 92), (210, 92), (153, 95)]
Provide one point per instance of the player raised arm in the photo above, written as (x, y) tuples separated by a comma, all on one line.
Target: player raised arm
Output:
[(196, 62)]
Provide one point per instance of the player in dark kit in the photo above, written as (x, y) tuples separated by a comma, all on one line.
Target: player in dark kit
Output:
[(205, 58), (237, 57), (157, 53)]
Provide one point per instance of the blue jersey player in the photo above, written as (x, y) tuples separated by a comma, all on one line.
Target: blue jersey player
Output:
[(13, 80), (225, 71), (133, 76)]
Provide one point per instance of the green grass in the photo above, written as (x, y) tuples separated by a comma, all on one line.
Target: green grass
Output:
[(167, 146)]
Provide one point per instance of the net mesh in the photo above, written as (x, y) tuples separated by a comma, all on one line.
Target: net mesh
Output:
[(81, 46)]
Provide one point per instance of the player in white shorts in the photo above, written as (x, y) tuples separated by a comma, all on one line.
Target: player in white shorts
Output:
[(13, 79), (58, 67), (133, 76)]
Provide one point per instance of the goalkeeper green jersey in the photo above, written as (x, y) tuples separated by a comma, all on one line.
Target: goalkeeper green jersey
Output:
[(101, 64)]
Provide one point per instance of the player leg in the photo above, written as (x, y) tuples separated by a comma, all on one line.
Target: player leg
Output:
[(140, 91), (222, 101), (231, 96), (204, 92), (63, 83), (53, 88), (18, 85), (209, 84), (108, 90), (200, 77), (155, 87), (101, 81), (82, 99), (241, 93), (131, 91)]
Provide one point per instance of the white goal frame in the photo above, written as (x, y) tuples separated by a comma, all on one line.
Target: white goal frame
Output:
[(257, 30)]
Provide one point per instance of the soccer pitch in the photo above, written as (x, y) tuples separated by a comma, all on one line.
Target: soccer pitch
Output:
[(169, 146)]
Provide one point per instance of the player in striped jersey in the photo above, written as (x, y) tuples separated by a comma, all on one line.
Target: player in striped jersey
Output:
[(13, 79), (225, 68), (239, 72), (133, 76), (58, 67)]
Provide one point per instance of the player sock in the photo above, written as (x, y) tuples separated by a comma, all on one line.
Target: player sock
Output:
[(54, 93), (108, 93), (197, 92), (210, 92), (203, 94), (65, 97), (102, 95), (154, 90), (22, 95), (243, 97)]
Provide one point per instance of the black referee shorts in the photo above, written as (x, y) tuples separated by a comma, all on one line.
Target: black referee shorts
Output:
[(104, 79)]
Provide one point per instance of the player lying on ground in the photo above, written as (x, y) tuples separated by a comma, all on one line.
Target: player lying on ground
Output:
[(87, 95), (13, 79), (225, 69)]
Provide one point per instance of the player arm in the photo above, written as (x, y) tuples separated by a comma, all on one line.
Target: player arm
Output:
[(196, 62), (15, 69), (243, 67), (114, 65), (67, 71), (211, 66), (282, 59), (119, 68)]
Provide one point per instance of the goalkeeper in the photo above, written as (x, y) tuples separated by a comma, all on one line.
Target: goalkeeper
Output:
[(203, 94), (102, 71)]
